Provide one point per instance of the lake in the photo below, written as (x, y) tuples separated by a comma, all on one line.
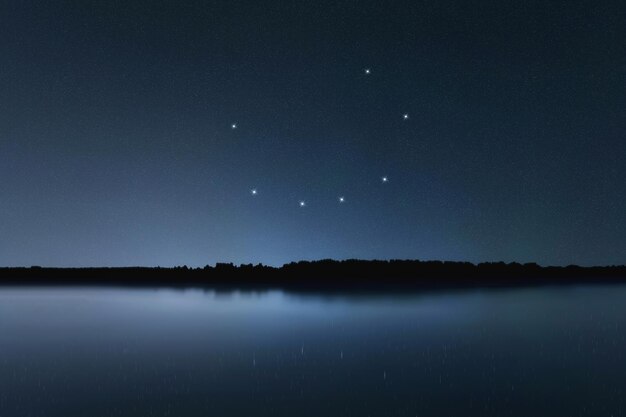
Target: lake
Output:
[(548, 351)]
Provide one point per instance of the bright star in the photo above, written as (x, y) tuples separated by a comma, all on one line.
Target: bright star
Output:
[(367, 71), (385, 179), (302, 204), (233, 126), (253, 191), (341, 199), (405, 116)]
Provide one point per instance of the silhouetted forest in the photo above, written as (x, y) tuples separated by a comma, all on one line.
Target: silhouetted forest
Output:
[(323, 275)]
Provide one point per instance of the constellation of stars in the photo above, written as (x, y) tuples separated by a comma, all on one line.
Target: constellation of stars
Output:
[(341, 199)]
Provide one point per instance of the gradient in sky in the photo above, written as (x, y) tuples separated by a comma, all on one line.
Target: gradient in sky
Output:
[(117, 144)]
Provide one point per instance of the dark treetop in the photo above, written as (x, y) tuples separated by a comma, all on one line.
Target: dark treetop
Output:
[(352, 275)]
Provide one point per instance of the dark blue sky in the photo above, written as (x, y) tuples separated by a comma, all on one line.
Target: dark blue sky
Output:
[(116, 146)]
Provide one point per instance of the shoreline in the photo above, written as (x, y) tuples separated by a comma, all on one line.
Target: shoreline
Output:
[(324, 276)]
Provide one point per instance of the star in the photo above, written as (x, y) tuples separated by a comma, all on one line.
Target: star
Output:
[(302, 204), (341, 199), (405, 116), (367, 71), (253, 191), (385, 179), (233, 126)]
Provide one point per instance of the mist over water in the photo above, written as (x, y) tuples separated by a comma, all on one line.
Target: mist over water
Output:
[(158, 352)]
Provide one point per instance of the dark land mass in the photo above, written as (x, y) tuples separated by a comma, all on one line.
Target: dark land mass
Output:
[(324, 275)]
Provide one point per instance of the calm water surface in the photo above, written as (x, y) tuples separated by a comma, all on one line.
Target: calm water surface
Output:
[(156, 352)]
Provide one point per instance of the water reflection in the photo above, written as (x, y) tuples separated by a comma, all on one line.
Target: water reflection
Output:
[(129, 352)]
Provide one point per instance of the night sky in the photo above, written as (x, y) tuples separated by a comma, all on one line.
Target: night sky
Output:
[(117, 144)]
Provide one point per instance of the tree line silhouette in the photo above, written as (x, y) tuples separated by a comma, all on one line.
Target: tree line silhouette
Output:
[(324, 275)]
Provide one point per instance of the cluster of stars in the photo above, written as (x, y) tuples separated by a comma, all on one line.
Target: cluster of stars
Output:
[(340, 199), (302, 203)]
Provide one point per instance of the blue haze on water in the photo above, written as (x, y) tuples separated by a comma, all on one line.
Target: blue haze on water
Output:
[(158, 352)]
